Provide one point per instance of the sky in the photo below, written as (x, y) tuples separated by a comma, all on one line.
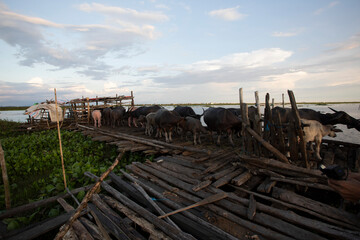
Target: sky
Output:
[(173, 51)]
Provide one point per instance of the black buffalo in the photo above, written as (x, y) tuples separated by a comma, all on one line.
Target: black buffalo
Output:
[(143, 110), (185, 111), (117, 115), (166, 121), (222, 120), (338, 117), (106, 113)]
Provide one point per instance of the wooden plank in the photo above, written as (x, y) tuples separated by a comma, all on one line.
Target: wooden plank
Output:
[(108, 225), (87, 197), (268, 146), (208, 226), (298, 128), (266, 186), (262, 162), (301, 183), (158, 209), (164, 226), (318, 207), (211, 199), (242, 178), (138, 220), (42, 228), (250, 225), (201, 185), (226, 179), (18, 210), (252, 207), (124, 228), (220, 174), (326, 229), (79, 229)]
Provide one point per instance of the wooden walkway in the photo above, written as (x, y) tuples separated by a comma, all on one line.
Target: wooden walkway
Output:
[(226, 195)]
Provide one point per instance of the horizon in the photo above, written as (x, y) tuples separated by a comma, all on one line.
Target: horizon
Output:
[(179, 51)]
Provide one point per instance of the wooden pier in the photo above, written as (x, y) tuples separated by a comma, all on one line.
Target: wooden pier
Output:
[(220, 193)]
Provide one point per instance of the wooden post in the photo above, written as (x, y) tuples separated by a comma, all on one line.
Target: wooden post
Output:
[(246, 123), (298, 129), (257, 124), (5, 178), (283, 101), (132, 99), (97, 102), (61, 152), (88, 108), (242, 132), (272, 103), (241, 97)]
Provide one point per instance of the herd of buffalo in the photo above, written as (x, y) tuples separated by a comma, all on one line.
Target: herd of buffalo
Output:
[(182, 119)]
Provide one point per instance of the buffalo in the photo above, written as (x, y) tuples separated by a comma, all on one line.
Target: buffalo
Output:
[(117, 114), (106, 113), (194, 126), (338, 117), (220, 120), (144, 110), (166, 121), (185, 111), (314, 131)]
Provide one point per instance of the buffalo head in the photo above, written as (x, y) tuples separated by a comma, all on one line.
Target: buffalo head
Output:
[(344, 118)]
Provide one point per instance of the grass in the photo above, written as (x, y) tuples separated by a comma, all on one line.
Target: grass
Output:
[(13, 108)]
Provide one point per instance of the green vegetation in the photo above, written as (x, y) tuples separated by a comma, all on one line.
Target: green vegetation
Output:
[(13, 108), (9, 128), (35, 172)]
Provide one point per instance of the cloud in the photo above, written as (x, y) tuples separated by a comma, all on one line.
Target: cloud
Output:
[(282, 81), (286, 34), (227, 14), (330, 5), (124, 14), (230, 68), (37, 43), (351, 44)]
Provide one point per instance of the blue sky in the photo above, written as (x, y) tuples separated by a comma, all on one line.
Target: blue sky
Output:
[(179, 51)]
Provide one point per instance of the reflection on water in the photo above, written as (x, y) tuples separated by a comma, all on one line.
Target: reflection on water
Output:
[(348, 135)]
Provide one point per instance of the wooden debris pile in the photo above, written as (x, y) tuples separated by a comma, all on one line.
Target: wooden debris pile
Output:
[(222, 196)]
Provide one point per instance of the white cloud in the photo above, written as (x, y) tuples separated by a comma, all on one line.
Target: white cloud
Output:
[(330, 5), (351, 44), (124, 14), (254, 59), (36, 82), (286, 34), (36, 42), (282, 81), (228, 14)]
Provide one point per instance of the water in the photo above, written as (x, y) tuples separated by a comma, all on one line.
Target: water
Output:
[(16, 116), (348, 135)]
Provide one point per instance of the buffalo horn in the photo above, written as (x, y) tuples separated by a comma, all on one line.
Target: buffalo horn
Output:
[(333, 109)]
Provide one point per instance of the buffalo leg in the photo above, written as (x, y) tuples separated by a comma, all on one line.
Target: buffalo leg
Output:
[(230, 137), (218, 138), (317, 149)]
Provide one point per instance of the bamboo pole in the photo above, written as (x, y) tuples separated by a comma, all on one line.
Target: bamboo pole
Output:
[(61, 152), (5, 178), (87, 198)]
